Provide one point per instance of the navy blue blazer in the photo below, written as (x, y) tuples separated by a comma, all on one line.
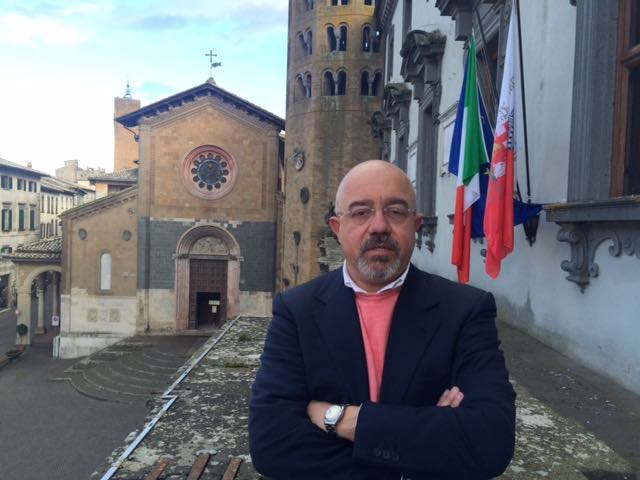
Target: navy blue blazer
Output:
[(442, 334)]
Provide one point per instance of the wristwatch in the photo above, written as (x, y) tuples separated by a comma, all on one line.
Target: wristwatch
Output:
[(332, 417)]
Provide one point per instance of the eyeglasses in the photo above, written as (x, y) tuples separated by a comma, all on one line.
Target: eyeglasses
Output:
[(395, 214)]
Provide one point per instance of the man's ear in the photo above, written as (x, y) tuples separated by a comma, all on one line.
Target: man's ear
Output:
[(334, 223), (419, 220)]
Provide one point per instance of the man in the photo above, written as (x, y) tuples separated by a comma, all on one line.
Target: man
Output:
[(379, 370)]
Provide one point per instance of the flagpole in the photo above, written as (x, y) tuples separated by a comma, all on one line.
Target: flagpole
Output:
[(524, 103)]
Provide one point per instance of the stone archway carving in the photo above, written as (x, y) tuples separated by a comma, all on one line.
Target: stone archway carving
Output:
[(206, 241)]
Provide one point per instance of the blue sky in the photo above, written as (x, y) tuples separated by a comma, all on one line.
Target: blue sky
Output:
[(63, 62)]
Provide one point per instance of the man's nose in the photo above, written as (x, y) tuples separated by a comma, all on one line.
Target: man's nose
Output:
[(379, 222)]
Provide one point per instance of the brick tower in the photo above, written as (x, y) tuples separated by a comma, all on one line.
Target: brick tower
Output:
[(334, 87), (125, 149)]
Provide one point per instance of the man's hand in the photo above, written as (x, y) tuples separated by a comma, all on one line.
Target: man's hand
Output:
[(451, 398), (346, 427)]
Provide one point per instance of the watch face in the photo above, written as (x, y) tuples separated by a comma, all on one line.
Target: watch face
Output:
[(332, 413)]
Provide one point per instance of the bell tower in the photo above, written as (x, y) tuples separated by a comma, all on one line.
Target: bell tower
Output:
[(334, 88)]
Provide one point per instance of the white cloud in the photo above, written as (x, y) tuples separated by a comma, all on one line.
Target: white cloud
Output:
[(20, 30)]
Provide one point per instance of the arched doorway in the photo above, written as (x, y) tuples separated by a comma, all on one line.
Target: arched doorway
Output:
[(207, 277)]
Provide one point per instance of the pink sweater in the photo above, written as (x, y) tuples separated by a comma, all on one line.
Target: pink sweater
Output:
[(375, 312)]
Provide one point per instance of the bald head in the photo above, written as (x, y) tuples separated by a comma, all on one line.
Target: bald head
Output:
[(365, 172)]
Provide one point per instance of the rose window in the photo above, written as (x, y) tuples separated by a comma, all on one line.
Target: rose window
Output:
[(209, 172)]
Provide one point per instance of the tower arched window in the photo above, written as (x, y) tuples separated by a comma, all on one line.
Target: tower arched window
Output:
[(341, 87), (366, 39), (375, 41), (376, 85), (299, 91), (310, 4), (309, 42), (364, 83), (307, 85), (343, 38), (301, 46), (332, 41), (328, 84)]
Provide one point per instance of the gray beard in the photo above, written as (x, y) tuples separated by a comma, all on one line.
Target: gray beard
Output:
[(377, 270)]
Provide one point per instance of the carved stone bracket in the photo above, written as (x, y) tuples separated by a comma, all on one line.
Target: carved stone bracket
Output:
[(461, 12), (585, 238), (427, 234), (397, 97)]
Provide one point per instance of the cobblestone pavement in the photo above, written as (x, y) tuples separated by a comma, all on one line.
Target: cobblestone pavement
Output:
[(210, 415)]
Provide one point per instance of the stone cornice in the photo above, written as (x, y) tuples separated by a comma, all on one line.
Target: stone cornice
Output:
[(104, 203), (420, 49)]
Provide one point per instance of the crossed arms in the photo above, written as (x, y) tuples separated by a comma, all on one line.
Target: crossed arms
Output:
[(417, 438)]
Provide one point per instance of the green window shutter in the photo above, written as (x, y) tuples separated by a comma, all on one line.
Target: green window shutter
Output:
[(21, 219), (32, 219)]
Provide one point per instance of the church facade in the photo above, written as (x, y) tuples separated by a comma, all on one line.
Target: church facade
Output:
[(194, 242)]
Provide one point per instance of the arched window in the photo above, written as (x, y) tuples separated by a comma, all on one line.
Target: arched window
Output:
[(301, 46), (343, 38), (364, 83), (376, 41), (342, 83), (328, 84), (307, 85), (376, 84), (309, 42), (105, 271), (332, 42), (310, 4), (299, 91), (366, 39)]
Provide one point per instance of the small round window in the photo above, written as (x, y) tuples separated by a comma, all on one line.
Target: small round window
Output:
[(209, 172)]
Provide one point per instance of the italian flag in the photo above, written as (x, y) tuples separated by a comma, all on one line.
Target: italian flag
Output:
[(468, 153)]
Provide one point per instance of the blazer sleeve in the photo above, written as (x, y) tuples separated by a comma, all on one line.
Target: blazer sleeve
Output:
[(475, 440), (283, 442)]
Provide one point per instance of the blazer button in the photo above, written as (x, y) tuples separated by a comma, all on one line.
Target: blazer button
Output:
[(395, 457), (386, 454), (376, 452)]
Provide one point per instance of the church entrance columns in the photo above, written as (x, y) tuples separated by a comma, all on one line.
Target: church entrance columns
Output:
[(207, 277)]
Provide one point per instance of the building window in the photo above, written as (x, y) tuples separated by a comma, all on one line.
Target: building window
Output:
[(368, 2), (33, 186), (105, 272), (332, 41), (342, 46), (209, 172), (6, 218), (32, 218), (376, 85), (299, 92), (21, 184), (307, 84), (366, 39), (339, 2), (390, 54), (341, 87), (328, 84), (364, 83), (625, 167), (6, 182), (20, 218)]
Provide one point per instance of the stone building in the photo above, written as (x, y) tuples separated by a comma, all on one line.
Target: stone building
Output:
[(193, 242), (575, 287), (125, 152), (19, 217), (334, 89), (57, 196)]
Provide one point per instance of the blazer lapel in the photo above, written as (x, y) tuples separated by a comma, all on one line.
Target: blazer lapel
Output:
[(337, 318), (412, 330)]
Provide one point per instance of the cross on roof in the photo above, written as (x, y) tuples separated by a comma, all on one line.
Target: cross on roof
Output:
[(212, 64)]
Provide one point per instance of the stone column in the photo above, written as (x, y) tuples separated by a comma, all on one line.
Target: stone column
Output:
[(55, 283), (40, 286)]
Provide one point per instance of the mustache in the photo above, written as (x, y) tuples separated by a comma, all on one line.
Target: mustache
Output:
[(380, 241)]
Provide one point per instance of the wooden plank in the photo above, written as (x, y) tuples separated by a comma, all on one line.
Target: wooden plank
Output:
[(198, 466), (232, 469), (158, 469)]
